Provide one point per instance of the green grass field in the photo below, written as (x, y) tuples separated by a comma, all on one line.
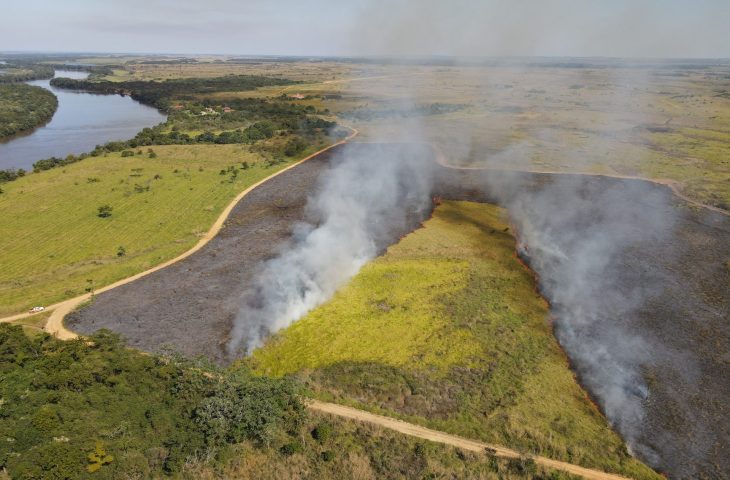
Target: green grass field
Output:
[(446, 329), (53, 245)]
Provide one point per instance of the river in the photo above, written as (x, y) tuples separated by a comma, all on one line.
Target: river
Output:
[(82, 121)]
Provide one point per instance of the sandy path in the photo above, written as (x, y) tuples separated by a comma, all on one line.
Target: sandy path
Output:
[(54, 325), (452, 440)]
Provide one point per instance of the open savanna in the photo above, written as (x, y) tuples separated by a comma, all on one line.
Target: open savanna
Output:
[(137, 69), (659, 122), (446, 330), (53, 244)]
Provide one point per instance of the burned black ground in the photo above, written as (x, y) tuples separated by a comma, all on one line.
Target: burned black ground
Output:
[(680, 274)]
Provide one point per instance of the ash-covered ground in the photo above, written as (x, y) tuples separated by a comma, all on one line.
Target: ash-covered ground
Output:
[(639, 290), (191, 305), (638, 283)]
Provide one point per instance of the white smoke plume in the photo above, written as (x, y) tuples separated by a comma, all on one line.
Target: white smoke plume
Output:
[(577, 238), (587, 241), (364, 202)]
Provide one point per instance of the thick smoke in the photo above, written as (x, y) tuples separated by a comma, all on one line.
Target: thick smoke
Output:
[(578, 235), (604, 249), (368, 198)]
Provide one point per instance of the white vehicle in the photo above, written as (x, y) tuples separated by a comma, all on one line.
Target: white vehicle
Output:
[(37, 309)]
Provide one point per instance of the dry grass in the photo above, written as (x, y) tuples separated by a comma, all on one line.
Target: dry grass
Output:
[(447, 330)]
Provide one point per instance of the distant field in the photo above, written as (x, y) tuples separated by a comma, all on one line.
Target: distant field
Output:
[(447, 330), (661, 123), (304, 71), (658, 123), (53, 245)]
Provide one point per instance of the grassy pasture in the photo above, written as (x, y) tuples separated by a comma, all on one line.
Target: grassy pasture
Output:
[(447, 330), (53, 245), (663, 124)]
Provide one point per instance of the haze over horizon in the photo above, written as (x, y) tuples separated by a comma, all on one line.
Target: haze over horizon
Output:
[(463, 28)]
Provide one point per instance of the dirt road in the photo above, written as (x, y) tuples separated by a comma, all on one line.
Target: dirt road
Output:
[(673, 185), (55, 326), (452, 440)]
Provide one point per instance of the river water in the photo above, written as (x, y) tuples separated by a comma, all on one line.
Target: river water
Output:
[(82, 121)]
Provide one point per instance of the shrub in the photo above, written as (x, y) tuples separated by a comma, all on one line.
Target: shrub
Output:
[(294, 146), (105, 211), (98, 458), (322, 432), (127, 153), (291, 448)]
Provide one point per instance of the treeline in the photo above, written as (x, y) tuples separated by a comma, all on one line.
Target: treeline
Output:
[(23, 107), (232, 113), (93, 408), (269, 119), (238, 121), (95, 71), (13, 73), (157, 136), (158, 94), (404, 112)]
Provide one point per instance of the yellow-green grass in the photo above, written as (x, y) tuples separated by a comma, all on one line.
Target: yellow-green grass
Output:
[(53, 245), (446, 329)]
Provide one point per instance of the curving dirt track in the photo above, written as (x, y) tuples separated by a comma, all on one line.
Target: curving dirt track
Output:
[(452, 440), (190, 305), (681, 273)]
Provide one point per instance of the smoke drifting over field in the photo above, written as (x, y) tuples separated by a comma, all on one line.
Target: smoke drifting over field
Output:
[(368, 198), (578, 240), (606, 252)]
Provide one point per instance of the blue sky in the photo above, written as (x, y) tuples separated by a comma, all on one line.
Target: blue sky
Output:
[(618, 28)]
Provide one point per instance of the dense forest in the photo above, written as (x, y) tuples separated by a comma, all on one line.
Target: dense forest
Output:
[(70, 409), (13, 73), (158, 94), (23, 107)]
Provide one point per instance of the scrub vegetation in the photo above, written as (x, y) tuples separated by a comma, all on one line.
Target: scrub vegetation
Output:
[(76, 409), (96, 409), (447, 330), (23, 72), (24, 107)]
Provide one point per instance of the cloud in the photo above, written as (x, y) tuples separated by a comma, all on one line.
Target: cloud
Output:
[(639, 28)]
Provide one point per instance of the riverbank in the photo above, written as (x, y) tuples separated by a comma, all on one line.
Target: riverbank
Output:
[(24, 108), (81, 121), (161, 206)]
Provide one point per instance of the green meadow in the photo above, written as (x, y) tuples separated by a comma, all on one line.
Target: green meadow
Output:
[(54, 245), (447, 330)]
